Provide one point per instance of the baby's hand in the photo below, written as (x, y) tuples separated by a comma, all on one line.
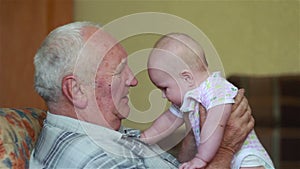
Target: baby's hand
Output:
[(193, 164)]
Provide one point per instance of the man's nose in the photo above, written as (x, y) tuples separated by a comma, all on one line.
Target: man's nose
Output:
[(131, 81)]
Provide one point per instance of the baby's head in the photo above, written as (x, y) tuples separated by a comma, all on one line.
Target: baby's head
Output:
[(176, 65)]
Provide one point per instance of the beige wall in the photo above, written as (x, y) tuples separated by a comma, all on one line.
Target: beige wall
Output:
[(251, 37)]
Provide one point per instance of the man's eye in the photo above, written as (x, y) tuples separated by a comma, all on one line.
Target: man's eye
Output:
[(117, 76), (118, 73)]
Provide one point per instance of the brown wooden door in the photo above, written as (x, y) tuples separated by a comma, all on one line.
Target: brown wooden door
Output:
[(23, 26)]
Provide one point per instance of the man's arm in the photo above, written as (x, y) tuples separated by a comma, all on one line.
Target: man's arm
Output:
[(239, 124)]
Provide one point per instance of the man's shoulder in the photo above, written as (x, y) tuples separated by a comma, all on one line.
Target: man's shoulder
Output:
[(71, 150)]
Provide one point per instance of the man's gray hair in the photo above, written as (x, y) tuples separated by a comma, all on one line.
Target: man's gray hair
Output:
[(57, 57)]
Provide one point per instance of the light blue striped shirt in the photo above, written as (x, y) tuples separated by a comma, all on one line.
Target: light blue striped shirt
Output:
[(69, 143)]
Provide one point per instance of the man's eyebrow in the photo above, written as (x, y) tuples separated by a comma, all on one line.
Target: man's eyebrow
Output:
[(121, 66)]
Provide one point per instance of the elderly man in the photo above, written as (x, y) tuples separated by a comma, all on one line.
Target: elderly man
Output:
[(82, 74)]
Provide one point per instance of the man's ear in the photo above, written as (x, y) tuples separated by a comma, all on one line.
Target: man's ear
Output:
[(74, 91), (188, 77)]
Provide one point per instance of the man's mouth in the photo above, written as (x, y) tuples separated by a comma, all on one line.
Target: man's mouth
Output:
[(126, 98)]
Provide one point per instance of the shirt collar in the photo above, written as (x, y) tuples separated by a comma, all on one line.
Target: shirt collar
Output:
[(82, 127)]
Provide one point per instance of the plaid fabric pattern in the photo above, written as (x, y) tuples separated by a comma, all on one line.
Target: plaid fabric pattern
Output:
[(69, 143)]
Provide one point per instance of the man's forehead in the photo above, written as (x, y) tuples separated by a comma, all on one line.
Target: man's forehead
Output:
[(102, 44), (116, 52), (101, 47), (89, 31), (115, 59), (94, 36)]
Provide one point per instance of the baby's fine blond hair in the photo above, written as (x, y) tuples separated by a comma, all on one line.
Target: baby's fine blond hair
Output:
[(185, 47)]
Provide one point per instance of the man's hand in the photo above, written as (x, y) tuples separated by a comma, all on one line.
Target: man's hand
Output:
[(239, 124)]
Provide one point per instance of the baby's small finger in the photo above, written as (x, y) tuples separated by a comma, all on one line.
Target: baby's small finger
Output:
[(183, 166)]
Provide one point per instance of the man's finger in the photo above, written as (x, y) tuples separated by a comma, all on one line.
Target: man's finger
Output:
[(202, 115), (242, 108), (238, 98)]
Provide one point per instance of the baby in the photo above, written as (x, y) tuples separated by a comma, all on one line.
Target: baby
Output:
[(178, 67)]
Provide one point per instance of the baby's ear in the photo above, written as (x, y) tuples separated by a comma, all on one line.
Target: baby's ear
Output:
[(188, 77)]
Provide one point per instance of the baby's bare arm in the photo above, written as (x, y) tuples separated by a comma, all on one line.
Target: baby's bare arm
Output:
[(211, 136), (163, 126), (212, 131)]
